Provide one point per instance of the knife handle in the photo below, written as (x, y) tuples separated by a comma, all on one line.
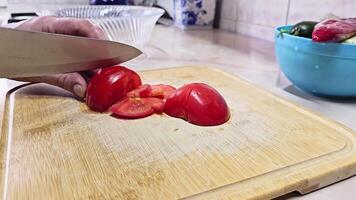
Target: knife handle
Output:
[(17, 17)]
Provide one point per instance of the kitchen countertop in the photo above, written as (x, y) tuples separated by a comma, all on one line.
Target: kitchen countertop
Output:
[(249, 58)]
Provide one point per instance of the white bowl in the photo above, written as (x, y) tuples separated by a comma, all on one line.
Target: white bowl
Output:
[(132, 25)]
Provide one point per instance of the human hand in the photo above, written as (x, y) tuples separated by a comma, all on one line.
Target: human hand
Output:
[(73, 82)]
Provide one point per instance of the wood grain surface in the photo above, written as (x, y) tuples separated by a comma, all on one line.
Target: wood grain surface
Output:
[(53, 147)]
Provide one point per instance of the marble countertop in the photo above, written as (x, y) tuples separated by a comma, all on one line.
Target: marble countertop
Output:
[(249, 58)]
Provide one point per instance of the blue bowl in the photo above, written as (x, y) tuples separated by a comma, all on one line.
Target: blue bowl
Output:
[(326, 69)]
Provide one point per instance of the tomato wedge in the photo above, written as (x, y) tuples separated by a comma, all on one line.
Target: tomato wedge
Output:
[(131, 108), (198, 104)]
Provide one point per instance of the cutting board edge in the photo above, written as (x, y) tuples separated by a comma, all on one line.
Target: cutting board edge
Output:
[(302, 183), (5, 137)]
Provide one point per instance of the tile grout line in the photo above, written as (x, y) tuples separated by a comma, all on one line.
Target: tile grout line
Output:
[(287, 14)]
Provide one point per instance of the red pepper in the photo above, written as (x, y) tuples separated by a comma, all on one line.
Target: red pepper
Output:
[(334, 30)]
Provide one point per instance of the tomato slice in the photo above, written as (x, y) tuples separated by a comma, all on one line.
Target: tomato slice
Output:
[(156, 104), (168, 90), (156, 91), (132, 108), (161, 91), (141, 91)]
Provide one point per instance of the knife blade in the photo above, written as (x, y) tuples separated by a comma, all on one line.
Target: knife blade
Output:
[(26, 53)]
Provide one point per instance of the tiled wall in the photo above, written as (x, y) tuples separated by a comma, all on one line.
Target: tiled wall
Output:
[(165, 3), (258, 18), (51, 1)]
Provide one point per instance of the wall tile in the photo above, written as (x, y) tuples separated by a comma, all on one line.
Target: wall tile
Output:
[(256, 31), (228, 9), (34, 7), (301, 10), (269, 13), (228, 25), (166, 4)]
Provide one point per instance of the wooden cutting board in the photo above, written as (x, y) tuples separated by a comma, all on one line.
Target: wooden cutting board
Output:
[(53, 147)]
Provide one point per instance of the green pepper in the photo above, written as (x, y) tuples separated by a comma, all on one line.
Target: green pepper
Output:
[(303, 29)]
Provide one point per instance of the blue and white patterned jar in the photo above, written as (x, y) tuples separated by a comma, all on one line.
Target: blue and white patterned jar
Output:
[(194, 13)]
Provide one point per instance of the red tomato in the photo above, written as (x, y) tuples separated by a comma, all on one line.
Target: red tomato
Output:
[(132, 108), (199, 104), (109, 86), (160, 91)]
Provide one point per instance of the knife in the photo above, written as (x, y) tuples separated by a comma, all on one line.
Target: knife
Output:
[(27, 54)]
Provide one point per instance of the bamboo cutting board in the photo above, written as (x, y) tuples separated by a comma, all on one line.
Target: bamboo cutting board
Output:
[(53, 147)]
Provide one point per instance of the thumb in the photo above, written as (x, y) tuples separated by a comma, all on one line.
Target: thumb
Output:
[(72, 82)]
